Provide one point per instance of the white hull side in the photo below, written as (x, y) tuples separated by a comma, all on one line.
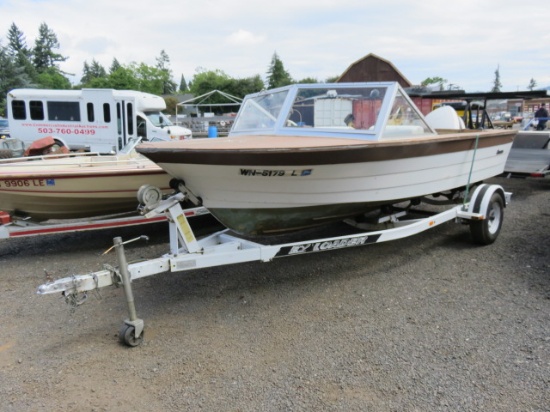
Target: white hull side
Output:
[(225, 187)]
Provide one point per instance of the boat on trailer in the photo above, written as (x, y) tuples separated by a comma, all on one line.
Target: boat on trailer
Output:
[(310, 154), (290, 163), (77, 185)]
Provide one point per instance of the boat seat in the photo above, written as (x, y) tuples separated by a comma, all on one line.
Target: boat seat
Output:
[(400, 131)]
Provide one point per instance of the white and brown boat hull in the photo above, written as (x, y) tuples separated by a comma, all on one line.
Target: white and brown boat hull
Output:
[(266, 184)]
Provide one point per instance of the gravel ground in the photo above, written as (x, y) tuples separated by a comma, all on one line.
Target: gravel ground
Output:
[(427, 323)]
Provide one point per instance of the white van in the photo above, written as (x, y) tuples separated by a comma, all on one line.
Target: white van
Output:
[(96, 120)]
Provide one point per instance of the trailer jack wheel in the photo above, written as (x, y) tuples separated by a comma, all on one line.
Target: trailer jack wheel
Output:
[(486, 231), (127, 335)]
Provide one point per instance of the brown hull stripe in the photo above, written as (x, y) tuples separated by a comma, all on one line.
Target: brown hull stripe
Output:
[(321, 155)]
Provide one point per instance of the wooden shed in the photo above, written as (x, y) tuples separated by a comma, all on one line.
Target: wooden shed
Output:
[(373, 68)]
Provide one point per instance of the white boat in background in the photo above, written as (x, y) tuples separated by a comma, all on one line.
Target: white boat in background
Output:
[(77, 185), (304, 155)]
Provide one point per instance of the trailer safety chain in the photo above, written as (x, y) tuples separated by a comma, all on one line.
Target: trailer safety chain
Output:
[(96, 290), (72, 299)]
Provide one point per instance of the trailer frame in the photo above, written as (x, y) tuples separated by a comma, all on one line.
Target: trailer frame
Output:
[(484, 213)]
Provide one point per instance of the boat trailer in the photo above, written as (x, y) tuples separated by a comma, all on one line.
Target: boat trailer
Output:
[(484, 213)]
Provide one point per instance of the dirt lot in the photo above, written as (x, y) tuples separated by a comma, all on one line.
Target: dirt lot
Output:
[(430, 322)]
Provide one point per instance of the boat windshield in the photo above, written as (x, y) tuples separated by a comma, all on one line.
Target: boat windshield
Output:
[(345, 110), (260, 112), (403, 120), (352, 108)]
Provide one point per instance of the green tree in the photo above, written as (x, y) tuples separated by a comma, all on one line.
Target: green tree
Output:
[(51, 78), (115, 65), (44, 56), (183, 85), (244, 86), (91, 72), (12, 76), (150, 79), (497, 85), (17, 43), (532, 84), (45, 60), (122, 78), (205, 81), (171, 103), (163, 65), (434, 80), (332, 79), (308, 80), (277, 76), (19, 52)]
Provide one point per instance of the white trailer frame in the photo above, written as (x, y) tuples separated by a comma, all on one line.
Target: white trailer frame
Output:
[(484, 211)]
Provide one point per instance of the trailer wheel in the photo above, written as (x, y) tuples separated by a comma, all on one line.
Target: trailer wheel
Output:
[(127, 336), (485, 232)]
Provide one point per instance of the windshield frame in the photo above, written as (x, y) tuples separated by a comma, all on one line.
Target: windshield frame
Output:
[(322, 109)]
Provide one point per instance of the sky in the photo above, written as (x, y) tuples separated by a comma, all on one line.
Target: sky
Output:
[(464, 42)]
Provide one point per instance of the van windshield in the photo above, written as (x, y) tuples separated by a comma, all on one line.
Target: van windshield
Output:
[(158, 119)]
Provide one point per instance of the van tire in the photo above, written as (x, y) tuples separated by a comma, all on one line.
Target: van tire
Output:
[(6, 154)]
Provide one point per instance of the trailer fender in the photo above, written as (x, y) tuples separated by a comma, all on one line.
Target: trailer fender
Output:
[(488, 201), (482, 196)]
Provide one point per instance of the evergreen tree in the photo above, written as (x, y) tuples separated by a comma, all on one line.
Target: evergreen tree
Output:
[(12, 76), (277, 76), (17, 43), (183, 85), (163, 65), (44, 56), (91, 72), (532, 84), (497, 85), (115, 65), (18, 51)]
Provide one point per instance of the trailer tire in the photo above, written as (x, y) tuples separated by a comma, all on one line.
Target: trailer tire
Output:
[(486, 231), (6, 154)]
